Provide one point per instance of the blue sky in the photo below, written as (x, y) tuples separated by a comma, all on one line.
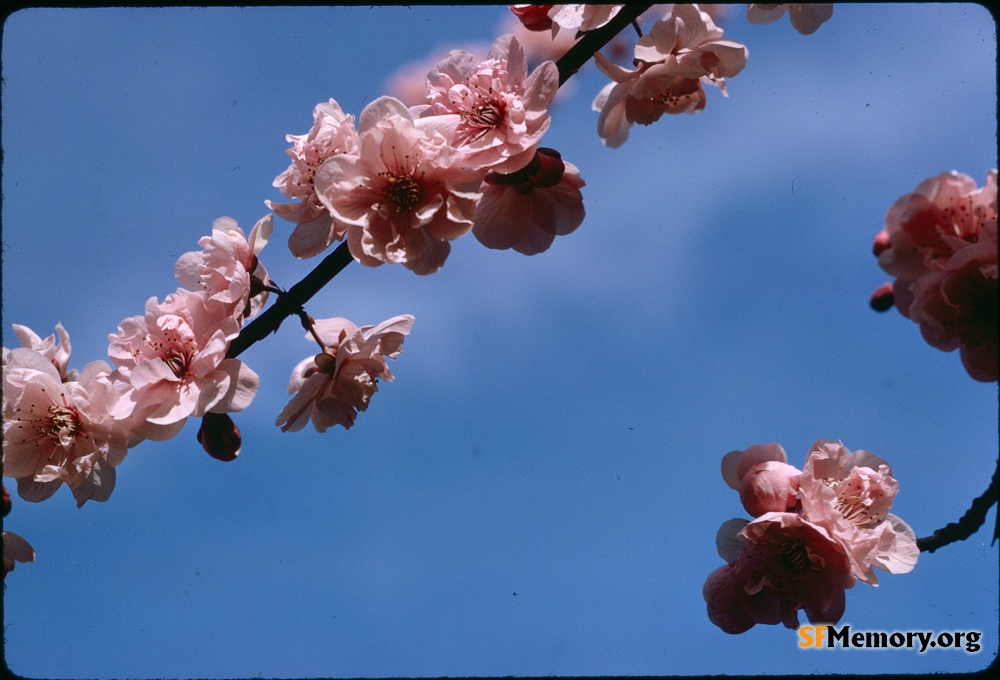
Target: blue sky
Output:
[(557, 422)]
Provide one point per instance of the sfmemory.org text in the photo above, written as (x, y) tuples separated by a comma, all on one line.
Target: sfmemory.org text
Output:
[(829, 636)]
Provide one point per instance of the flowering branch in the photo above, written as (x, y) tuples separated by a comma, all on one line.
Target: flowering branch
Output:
[(594, 40), (970, 522), (292, 301)]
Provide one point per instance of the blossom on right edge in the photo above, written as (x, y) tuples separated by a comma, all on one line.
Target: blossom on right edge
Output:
[(940, 242)]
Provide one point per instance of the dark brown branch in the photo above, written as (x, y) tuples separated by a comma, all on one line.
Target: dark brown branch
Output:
[(291, 302), (592, 41), (974, 518)]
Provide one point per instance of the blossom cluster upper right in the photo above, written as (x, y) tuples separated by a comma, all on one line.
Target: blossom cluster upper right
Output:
[(940, 242)]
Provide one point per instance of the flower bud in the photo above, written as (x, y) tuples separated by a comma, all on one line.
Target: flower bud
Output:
[(545, 170), (881, 243), (771, 486), (6, 502), (550, 168), (220, 437), (533, 17), (327, 363), (882, 299)]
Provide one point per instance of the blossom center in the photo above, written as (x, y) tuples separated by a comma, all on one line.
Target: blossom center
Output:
[(856, 511), (678, 94), (174, 348), (966, 219), (63, 424), (794, 557), (177, 363), (401, 192), (486, 115)]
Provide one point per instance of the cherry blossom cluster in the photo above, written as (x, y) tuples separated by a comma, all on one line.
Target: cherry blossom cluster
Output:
[(64, 426), (816, 532), (940, 244), (398, 188), (681, 53), (406, 181), (396, 185), (673, 61), (574, 18), (805, 18)]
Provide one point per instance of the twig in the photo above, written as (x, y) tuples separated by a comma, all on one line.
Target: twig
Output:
[(592, 41), (292, 301), (974, 518)]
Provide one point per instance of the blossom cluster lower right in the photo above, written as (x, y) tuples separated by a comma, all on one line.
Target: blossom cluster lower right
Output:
[(816, 532)]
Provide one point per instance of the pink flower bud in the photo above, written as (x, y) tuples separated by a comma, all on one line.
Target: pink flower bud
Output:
[(882, 299), (533, 17), (546, 168), (881, 243), (771, 486), (220, 437)]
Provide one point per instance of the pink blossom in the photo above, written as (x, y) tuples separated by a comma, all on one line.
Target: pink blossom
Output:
[(736, 464), (679, 54), (333, 386), (404, 196), (770, 487), (408, 83), (15, 549), (940, 243), (527, 209), (777, 564), (849, 494), (806, 18), (533, 17), (227, 267), (332, 133), (492, 110), (174, 358), (581, 18), (56, 352), (58, 432), (766, 482)]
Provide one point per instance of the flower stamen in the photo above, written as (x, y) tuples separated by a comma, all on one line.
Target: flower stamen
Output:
[(401, 192)]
